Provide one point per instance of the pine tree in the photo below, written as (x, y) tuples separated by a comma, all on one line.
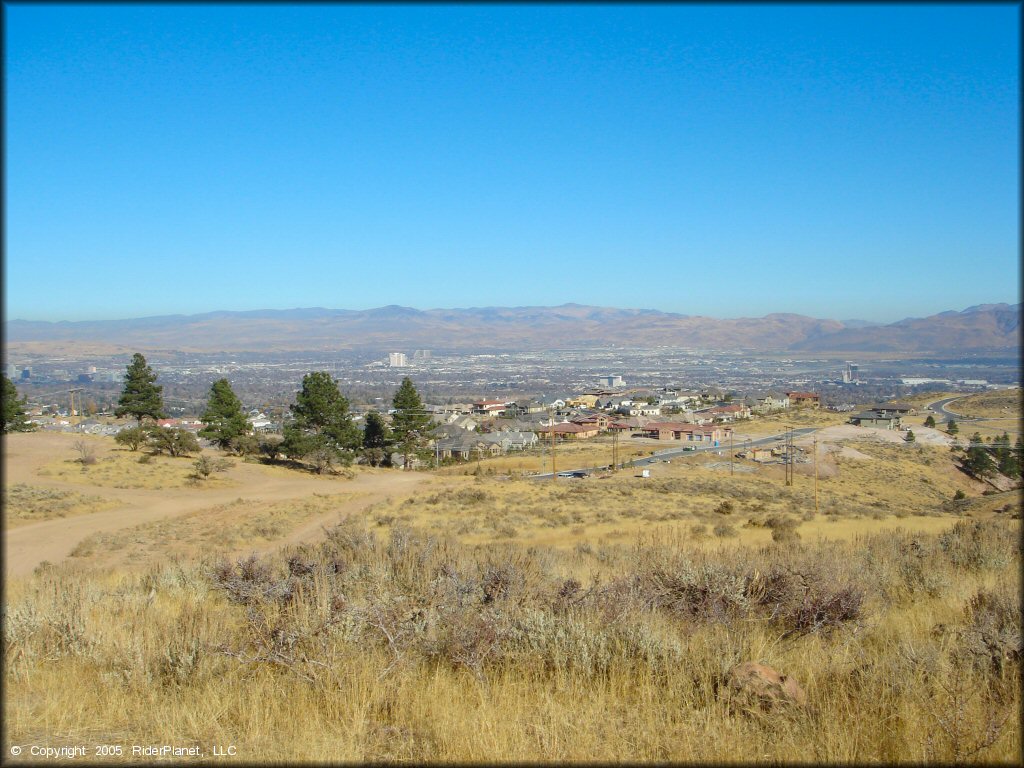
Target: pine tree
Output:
[(930, 421), (951, 427), (376, 439), (978, 461), (223, 418), (1005, 459), (14, 409), (411, 424), (910, 436), (321, 430), (141, 396)]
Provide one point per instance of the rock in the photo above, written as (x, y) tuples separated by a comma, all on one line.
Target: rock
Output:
[(764, 687)]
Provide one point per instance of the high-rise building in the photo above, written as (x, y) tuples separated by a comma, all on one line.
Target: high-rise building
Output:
[(613, 381), (12, 371), (421, 354), (850, 373), (26, 372), (397, 360)]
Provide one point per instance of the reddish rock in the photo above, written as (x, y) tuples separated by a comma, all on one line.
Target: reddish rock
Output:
[(763, 686)]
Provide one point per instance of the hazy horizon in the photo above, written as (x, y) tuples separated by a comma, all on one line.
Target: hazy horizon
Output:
[(113, 318)]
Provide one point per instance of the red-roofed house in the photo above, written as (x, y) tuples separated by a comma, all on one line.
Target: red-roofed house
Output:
[(804, 399), (729, 412), (674, 430), (489, 407), (569, 431)]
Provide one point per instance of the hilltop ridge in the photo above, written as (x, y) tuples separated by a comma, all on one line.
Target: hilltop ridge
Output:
[(981, 328)]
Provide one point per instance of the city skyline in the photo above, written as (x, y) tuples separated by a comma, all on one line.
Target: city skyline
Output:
[(840, 162)]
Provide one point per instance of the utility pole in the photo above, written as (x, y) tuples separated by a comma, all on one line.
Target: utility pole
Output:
[(815, 442), (615, 449), (789, 456), (731, 457), (551, 426), (71, 405)]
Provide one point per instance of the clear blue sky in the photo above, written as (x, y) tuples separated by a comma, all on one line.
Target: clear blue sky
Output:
[(856, 161)]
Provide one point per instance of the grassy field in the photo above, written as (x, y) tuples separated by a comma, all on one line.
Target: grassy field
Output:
[(495, 618), (419, 648), (994, 404), (221, 530), (28, 504), (121, 468)]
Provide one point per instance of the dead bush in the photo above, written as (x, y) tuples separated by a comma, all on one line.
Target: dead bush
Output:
[(991, 639)]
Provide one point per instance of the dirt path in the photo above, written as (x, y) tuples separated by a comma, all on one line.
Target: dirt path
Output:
[(27, 546)]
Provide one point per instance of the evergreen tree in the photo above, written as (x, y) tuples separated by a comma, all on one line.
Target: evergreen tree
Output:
[(223, 418), (141, 396), (1005, 459), (376, 439), (321, 430), (978, 461), (951, 427), (411, 425), (910, 436), (14, 409), (930, 421)]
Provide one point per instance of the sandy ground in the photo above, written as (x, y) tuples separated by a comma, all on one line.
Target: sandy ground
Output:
[(922, 435), (27, 546)]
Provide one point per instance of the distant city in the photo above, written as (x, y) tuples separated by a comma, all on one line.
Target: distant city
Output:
[(269, 381)]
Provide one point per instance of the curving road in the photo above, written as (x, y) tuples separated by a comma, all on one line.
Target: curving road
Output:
[(675, 452)]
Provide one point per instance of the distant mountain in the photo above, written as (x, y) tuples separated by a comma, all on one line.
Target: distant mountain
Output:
[(982, 328), (985, 327)]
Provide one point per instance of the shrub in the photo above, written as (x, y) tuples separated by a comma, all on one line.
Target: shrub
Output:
[(205, 466), (174, 441), (724, 530), (86, 452), (979, 545), (132, 437), (245, 445), (991, 639)]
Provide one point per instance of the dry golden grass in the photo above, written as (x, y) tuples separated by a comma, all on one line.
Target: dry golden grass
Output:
[(219, 530), (794, 417), (121, 468), (892, 484), (334, 673), (29, 504), (447, 627), (569, 454), (992, 404)]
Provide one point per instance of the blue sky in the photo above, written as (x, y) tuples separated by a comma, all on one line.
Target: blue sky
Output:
[(852, 161)]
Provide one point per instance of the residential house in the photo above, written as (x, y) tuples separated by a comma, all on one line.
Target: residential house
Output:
[(640, 409), (676, 430), (729, 412), (632, 424), (586, 400), (877, 419), (896, 409), (770, 403), (804, 399), (524, 408), (600, 420), (489, 407), (569, 431)]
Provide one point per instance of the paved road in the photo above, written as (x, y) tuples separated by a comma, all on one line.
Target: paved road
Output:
[(940, 412), (676, 452)]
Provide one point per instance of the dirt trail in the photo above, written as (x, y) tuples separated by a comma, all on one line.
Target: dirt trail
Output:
[(27, 546)]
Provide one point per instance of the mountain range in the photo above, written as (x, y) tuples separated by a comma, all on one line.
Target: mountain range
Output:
[(984, 329)]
